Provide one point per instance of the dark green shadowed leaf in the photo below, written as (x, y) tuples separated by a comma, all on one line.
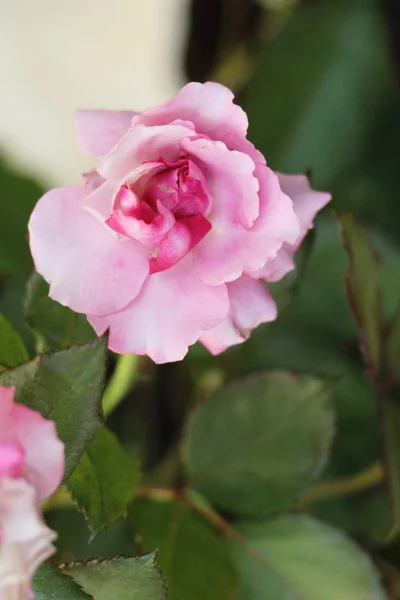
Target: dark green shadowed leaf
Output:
[(393, 347), (318, 87), (12, 348), (390, 422), (256, 444), (296, 557), (104, 480), (119, 578), (65, 387), (50, 584), (56, 326), (363, 290), (194, 559)]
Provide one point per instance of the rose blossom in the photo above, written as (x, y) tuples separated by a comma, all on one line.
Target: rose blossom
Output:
[(171, 238), (31, 468)]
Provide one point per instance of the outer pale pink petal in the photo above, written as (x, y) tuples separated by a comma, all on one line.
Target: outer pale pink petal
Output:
[(227, 251), (171, 312), (26, 541), (142, 144), (251, 304), (306, 202), (277, 267), (44, 452), (98, 131), (88, 268), (37, 438), (210, 107)]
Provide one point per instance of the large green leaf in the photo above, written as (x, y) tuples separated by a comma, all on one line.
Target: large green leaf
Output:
[(50, 584), (295, 557), (318, 86), (103, 482), (194, 560), (363, 290), (256, 444), (119, 578), (65, 387), (12, 349), (56, 326)]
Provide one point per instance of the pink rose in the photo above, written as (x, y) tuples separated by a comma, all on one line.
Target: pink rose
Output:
[(171, 238), (31, 468)]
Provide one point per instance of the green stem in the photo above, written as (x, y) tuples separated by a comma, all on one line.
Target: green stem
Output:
[(122, 380), (336, 488)]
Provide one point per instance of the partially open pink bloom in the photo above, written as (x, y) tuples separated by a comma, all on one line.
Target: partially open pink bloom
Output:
[(164, 242), (31, 468)]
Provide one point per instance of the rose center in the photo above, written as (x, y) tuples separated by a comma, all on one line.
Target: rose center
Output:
[(165, 209)]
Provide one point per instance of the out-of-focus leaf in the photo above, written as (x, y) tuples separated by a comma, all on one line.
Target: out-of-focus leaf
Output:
[(65, 387), (50, 584), (363, 290), (12, 349), (193, 559), (391, 446), (119, 578), (18, 196), (74, 542), (56, 326), (297, 557), (103, 482), (393, 348), (318, 86), (256, 444)]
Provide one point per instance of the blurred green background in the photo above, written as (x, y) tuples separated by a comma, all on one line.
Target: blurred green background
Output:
[(319, 80)]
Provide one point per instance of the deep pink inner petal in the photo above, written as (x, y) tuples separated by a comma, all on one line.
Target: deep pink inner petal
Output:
[(11, 459), (165, 208)]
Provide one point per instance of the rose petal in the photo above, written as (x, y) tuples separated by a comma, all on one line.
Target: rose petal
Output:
[(143, 144), (98, 131), (88, 268), (43, 451), (210, 107), (26, 540), (231, 181), (182, 237), (227, 252), (171, 312), (251, 304), (11, 460), (306, 204)]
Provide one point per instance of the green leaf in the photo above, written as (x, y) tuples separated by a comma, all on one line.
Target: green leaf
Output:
[(318, 87), (12, 349), (194, 560), (56, 326), (65, 387), (50, 584), (390, 422), (295, 557), (103, 482), (393, 347), (119, 578), (363, 289), (256, 444)]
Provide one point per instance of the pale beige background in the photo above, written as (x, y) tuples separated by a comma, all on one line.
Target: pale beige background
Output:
[(59, 55)]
